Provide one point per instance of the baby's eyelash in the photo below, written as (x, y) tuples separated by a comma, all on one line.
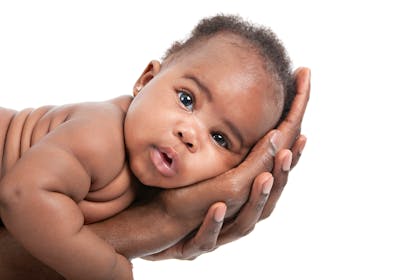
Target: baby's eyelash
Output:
[(186, 98), (222, 140)]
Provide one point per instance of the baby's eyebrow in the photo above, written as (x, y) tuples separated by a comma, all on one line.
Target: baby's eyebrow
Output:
[(201, 85)]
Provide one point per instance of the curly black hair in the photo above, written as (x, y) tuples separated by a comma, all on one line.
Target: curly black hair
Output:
[(262, 39)]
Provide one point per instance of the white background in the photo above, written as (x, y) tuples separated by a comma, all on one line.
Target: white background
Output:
[(351, 208)]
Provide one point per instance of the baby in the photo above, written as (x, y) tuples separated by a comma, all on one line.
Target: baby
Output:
[(192, 117)]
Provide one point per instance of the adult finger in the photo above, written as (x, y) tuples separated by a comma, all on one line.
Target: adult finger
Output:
[(202, 241), (281, 172), (290, 126), (297, 149), (250, 214), (260, 159), (206, 237), (232, 187), (282, 165)]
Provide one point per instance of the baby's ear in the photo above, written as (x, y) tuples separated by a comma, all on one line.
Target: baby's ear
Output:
[(151, 70)]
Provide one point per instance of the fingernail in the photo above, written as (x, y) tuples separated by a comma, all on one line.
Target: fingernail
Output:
[(267, 185), (300, 151), (275, 142), (219, 214), (287, 162)]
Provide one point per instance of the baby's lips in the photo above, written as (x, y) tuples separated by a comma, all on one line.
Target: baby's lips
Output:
[(171, 167)]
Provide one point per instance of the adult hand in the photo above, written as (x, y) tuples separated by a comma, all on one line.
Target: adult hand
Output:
[(130, 232), (266, 188)]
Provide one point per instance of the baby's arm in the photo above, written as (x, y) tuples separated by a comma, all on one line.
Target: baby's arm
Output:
[(38, 203)]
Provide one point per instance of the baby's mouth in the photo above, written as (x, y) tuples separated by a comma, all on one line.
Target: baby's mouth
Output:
[(165, 160)]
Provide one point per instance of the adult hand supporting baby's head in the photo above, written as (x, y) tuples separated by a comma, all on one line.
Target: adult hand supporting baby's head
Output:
[(252, 176), (232, 189)]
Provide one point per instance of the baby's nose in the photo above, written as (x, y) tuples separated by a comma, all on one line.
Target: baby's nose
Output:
[(189, 138)]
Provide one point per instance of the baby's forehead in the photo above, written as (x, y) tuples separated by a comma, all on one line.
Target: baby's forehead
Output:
[(235, 74), (237, 94), (220, 46), (225, 53)]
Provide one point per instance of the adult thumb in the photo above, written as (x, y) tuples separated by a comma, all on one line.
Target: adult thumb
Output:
[(261, 157)]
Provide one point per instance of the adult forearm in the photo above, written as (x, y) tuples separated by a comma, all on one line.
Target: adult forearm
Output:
[(137, 231), (143, 229)]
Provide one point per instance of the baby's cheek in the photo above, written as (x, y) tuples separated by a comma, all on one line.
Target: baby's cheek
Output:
[(224, 163), (209, 165)]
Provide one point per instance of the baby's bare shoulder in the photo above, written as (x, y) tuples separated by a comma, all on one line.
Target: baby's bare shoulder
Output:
[(95, 133), (108, 110), (91, 131)]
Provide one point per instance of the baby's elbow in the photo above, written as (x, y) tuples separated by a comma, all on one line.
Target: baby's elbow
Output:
[(10, 195)]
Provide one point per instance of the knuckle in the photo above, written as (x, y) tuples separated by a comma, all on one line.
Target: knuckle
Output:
[(266, 162), (266, 213), (242, 231), (246, 231), (214, 231), (180, 253), (206, 247), (260, 205), (236, 187), (290, 123), (236, 196)]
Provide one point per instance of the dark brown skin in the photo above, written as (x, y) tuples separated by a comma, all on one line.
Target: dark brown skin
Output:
[(50, 176), (70, 165), (130, 245)]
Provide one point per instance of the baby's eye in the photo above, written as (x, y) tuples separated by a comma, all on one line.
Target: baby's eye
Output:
[(220, 140), (186, 99)]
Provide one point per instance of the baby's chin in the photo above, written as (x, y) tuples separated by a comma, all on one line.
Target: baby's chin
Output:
[(180, 180), (168, 183)]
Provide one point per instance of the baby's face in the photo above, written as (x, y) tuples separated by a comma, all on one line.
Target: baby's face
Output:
[(199, 115)]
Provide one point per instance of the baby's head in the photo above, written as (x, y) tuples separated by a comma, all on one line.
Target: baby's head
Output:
[(199, 112)]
